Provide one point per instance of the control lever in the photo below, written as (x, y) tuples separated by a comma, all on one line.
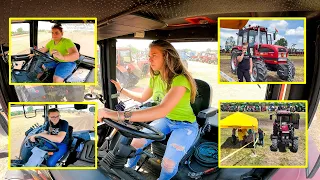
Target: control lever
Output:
[(149, 155)]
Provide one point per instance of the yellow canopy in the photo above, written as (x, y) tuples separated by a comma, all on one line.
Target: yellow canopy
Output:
[(240, 121), (233, 24)]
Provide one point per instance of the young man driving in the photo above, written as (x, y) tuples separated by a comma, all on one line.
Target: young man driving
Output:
[(245, 64), (56, 131)]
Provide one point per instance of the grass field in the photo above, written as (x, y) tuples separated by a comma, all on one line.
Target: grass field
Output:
[(264, 155), (271, 75)]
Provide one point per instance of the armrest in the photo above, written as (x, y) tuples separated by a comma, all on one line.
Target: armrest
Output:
[(207, 113)]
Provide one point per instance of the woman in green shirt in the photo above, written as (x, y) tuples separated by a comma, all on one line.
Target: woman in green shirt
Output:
[(173, 86), (65, 53)]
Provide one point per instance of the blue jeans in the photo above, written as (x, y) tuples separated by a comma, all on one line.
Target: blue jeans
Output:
[(52, 160), (181, 139), (62, 69), (261, 142)]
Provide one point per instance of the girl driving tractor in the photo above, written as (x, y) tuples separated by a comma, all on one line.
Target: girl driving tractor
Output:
[(174, 86)]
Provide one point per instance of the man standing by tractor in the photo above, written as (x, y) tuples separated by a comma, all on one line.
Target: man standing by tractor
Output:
[(261, 135), (245, 64)]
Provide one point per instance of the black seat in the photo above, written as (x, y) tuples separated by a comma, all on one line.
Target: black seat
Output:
[(202, 101), (202, 110), (64, 158), (87, 157)]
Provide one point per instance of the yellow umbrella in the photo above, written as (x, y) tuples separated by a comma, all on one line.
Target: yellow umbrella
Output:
[(239, 120), (233, 24)]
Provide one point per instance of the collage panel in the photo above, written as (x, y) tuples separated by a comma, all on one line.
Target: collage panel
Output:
[(268, 50), (57, 51), (52, 135), (263, 134)]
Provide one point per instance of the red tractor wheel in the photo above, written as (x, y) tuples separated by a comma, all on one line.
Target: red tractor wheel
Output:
[(259, 71)]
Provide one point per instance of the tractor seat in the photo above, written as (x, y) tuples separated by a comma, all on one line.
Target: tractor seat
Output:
[(70, 149), (202, 110), (86, 156)]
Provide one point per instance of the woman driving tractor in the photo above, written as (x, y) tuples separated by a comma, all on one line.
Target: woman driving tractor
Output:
[(173, 86), (65, 53)]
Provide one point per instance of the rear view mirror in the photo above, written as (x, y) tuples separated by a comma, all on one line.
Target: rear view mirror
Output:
[(80, 106), (92, 109), (29, 110)]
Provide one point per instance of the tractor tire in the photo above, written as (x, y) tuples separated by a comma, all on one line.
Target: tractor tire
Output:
[(291, 71), (294, 147), (233, 61), (274, 145), (259, 71)]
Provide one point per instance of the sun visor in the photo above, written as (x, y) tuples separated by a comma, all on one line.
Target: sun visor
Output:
[(233, 24)]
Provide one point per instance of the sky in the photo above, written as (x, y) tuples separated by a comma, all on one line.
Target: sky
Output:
[(291, 30)]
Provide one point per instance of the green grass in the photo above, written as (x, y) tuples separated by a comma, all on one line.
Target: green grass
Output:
[(244, 158)]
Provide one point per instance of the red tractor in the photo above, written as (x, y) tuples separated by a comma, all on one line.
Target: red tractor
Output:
[(127, 72), (265, 55), (283, 131), (208, 58)]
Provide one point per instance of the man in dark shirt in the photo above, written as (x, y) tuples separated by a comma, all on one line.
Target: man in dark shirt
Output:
[(56, 131), (245, 64), (261, 136)]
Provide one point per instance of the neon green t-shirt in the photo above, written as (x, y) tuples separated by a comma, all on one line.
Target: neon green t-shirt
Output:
[(62, 47), (183, 110)]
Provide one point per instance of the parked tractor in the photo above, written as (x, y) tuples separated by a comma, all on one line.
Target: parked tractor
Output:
[(283, 131), (265, 55), (128, 72)]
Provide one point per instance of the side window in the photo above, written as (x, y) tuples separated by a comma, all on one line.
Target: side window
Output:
[(245, 37), (19, 124), (240, 41), (20, 38)]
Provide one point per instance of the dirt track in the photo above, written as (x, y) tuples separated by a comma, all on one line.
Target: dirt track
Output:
[(271, 76), (19, 125), (264, 154)]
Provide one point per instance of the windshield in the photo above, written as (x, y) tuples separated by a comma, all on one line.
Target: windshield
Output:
[(283, 118), (80, 33), (201, 63)]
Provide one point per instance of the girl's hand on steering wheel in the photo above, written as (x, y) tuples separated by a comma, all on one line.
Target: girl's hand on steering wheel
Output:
[(30, 55), (117, 84), (104, 113), (57, 54), (32, 138)]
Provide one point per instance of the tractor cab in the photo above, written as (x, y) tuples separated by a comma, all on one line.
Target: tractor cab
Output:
[(254, 36), (32, 35), (80, 136)]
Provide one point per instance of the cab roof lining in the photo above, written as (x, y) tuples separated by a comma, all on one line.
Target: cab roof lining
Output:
[(162, 12)]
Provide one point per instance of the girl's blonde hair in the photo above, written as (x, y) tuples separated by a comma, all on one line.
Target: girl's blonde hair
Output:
[(173, 66)]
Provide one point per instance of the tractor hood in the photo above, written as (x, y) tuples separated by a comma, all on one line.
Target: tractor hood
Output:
[(233, 24)]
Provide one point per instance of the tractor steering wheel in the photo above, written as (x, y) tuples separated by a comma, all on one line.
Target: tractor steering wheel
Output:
[(130, 129), (46, 56), (40, 143)]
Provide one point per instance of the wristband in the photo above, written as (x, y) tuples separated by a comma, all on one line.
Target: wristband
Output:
[(120, 90), (118, 115)]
